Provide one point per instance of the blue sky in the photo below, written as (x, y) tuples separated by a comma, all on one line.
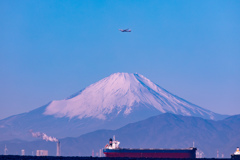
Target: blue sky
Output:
[(52, 49)]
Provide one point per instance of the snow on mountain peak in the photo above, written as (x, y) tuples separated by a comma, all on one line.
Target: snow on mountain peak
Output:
[(121, 92)]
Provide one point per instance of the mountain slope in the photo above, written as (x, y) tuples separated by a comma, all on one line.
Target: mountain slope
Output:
[(120, 93), (162, 131), (112, 102)]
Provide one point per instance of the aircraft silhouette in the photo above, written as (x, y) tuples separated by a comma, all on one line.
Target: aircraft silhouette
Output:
[(125, 30)]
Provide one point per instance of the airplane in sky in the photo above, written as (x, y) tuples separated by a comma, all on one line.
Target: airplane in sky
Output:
[(125, 30)]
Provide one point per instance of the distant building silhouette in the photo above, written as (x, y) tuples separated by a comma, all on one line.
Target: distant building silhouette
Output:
[(42, 153)]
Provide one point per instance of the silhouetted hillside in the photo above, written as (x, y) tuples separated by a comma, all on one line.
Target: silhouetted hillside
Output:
[(163, 131)]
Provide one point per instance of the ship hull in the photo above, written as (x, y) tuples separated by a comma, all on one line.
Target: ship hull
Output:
[(151, 153), (235, 156)]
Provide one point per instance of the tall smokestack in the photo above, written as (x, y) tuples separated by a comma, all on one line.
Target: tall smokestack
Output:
[(5, 150), (23, 152), (58, 148)]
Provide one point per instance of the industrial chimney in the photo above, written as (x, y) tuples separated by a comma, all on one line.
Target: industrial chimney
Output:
[(58, 148)]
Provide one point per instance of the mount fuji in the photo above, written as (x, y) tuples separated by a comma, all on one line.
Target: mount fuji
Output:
[(110, 103)]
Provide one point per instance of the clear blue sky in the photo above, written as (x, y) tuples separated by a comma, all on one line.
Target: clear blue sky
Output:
[(50, 49)]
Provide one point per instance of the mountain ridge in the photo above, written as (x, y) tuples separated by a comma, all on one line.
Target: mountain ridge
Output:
[(162, 131), (110, 103)]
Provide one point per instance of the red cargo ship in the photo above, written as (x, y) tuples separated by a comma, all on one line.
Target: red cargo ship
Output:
[(113, 150)]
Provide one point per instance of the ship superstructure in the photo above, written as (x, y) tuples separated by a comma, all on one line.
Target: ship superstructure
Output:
[(236, 154)]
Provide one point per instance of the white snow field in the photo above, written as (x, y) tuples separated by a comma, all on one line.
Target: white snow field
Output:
[(120, 92)]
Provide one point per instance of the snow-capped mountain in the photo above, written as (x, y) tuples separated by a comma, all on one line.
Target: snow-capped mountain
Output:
[(110, 103), (122, 93)]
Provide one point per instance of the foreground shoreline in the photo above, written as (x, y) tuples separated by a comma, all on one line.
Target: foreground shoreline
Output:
[(18, 157)]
